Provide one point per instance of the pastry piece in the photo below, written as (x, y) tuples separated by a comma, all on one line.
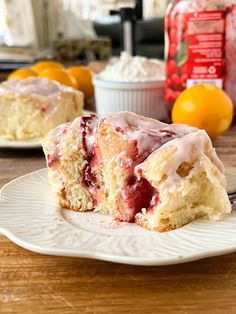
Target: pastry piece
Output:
[(69, 151), (33, 106), (189, 180), (137, 169)]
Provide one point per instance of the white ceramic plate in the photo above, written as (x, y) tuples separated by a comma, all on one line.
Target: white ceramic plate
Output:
[(20, 144), (30, 217), (25, 144)]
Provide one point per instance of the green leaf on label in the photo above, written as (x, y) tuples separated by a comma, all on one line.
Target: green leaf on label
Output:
[(182, 54)]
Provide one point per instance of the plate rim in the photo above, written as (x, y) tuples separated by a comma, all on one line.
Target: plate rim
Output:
[(127, 260), (83, 253)]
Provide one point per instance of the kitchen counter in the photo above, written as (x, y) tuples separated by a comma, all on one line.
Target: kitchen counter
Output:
[(35, 283)]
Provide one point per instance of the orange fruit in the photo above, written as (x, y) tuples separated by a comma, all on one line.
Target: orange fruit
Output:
[(45, 65), (84, 78), (60, 76), (205, 107), (21, 74)]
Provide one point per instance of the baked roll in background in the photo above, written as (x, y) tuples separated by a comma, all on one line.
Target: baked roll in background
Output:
[(31, 107)]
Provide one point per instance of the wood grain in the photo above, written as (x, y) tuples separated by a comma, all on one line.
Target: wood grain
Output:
[(34, 283)]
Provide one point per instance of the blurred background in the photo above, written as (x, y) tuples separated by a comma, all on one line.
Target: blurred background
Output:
[(78, 31)]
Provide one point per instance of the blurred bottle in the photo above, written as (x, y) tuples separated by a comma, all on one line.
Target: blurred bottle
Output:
[(128, 18)]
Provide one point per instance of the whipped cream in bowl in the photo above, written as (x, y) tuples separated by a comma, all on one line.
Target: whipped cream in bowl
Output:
[(133, 84), (133, 69)]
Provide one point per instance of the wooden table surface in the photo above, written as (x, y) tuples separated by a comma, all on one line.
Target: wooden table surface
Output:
[(34, 283)]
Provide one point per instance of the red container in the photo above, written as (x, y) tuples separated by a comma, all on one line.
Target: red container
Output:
[(200, 46)]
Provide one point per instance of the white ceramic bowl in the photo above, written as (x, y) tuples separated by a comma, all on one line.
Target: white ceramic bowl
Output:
[(144, 98)]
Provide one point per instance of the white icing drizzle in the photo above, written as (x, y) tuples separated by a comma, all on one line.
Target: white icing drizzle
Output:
[(90, 140), (125, 118), (55, 134), (149, 134), (191, 143), (187, 147), (38, 86)]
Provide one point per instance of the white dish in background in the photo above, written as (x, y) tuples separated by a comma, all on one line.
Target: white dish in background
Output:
[(26, 144), (30, 217), (131, 83), (20, 144), (143, 98)]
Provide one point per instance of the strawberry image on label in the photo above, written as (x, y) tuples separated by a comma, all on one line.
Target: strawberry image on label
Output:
[(197, 46)]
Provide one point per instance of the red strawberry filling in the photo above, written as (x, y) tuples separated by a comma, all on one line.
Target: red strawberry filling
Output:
[(87, 128), (52, 159), (135, 195)]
